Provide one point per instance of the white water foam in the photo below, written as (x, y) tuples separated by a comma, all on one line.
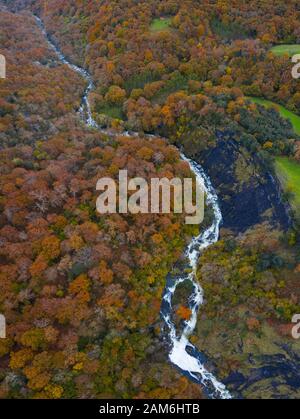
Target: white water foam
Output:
[(179, 355)]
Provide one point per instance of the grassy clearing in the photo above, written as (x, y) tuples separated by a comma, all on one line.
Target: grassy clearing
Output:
[(161, 24), (114, 112), (288, 172), (280, 50), (285, 113)]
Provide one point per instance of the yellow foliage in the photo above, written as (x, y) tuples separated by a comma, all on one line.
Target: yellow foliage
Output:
[(148, 55), (115, 95), (80, 287), (34, 339), (145, 153), (106, 274), (54, 391), (157, 238), (37, 381), (78, 366), (76, 242), (50, 248), (5, 346), (268, 145), (20, 358)]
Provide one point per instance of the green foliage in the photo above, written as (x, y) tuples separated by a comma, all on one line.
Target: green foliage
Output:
[(139, 80), (176, 83), (76, 270), (293, 118), (290, 50), (240, 275), (114, 112), (230, 30), (160, 24), (70, 391), (266, 132)]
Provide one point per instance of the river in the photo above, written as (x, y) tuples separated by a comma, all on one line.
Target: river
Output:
[(182, 353)]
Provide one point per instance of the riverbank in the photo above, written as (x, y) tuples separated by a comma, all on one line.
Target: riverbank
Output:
[(248, 193)]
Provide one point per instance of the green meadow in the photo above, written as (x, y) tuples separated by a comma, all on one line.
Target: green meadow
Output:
[(286, 49), (288, 172), (160, 24), (114, 112)]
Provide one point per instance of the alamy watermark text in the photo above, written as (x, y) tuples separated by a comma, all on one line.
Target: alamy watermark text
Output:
[(2, 67), (136, 196)]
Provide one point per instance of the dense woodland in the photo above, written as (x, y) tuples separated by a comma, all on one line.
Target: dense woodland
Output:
[(82, 292), (212, 55)]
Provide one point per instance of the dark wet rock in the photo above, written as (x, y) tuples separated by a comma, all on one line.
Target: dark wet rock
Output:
[(248, 192)]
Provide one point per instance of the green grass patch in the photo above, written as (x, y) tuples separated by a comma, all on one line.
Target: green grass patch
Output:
[(114, 112), (290, 50), (288, 172), (285, 113), (160, 24)]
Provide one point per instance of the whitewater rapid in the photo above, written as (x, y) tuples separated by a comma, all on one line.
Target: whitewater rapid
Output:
[(182, 353)]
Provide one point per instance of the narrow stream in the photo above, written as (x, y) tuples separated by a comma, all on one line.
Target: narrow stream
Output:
[(182, 353)]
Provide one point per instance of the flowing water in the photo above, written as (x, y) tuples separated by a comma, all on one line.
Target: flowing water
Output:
[(182, 353)]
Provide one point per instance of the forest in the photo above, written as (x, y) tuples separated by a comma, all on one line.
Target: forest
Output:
[(76, 286), (81, 292)]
